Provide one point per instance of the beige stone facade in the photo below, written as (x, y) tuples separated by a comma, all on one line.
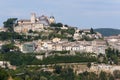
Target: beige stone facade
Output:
[(34, 23)]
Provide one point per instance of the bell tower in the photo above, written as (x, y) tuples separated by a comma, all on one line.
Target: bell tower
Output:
[(33, 17)]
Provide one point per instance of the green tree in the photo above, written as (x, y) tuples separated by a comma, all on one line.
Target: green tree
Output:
[(10, 23), (66, 25), (3, 75), (56, 24), (70, 31), (87, 76), (112, 55), (30, 31), (116, 74), (103, 76), (92, 31), (7, 47), (67, 74), (43, 78), (59, 24), (58, 69), (111, 77), (88, 64)]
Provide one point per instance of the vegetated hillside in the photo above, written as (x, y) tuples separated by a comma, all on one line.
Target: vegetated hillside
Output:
[(108, 31)]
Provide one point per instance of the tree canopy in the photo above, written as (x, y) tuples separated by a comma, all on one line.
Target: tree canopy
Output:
[(56, 25), (10, 23), (92, 31), (3, 74), (7, 47)]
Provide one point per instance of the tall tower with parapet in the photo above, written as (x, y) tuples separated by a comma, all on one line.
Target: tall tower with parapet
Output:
[(33, 18)]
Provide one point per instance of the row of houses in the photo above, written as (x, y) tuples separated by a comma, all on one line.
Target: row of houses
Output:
[(96, 46)]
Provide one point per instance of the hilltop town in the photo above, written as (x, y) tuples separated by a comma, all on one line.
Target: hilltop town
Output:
[(44, 34), (44, 43)]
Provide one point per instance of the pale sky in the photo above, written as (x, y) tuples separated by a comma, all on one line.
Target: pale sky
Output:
[(78, 13)]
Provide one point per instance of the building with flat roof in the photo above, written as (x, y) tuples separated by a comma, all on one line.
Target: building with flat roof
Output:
[(28, 47)]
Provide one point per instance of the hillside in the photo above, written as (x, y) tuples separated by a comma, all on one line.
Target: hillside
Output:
[(108, 31)]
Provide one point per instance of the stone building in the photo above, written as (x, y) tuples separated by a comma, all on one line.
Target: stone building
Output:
[(34, 23)]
